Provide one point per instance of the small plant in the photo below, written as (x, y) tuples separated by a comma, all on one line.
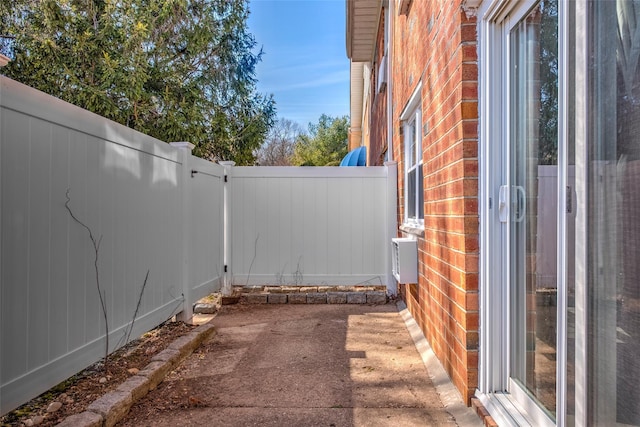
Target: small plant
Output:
[(297, 276), (103, 304), (96, 249), (280, 279), (255, 253)]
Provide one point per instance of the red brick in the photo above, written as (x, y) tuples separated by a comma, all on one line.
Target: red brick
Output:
[(469, 52), (469, 110), (444, 57)]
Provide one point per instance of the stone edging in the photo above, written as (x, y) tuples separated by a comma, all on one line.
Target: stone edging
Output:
[(107, 410), (273, 294)]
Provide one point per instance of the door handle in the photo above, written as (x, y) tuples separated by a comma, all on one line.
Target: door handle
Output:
[(521, 203), (503, 203)]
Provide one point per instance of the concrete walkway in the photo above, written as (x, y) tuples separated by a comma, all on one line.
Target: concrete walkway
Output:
[(306, 365)]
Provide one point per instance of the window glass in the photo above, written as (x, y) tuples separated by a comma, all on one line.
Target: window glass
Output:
[(411, 140), (414, 203), (613, 203), (533, 170)]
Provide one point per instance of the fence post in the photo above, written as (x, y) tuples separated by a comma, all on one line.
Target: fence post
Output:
[(186, 315), (228, 273), (392, 222)]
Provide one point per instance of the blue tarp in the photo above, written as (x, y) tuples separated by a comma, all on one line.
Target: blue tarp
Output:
[(355, 157)]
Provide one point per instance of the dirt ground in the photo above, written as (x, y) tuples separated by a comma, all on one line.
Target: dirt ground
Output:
[(79, 391), (303, 365)]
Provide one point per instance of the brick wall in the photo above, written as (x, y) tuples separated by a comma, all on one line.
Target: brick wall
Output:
[(378, 136), (436, 43)]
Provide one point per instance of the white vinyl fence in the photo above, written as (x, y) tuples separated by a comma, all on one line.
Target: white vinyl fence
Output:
[(547, 225), (138, 198), (301, 226), (154, 208)]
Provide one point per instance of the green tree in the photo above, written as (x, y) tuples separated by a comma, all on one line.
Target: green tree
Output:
[(178, 70), (326, 143)]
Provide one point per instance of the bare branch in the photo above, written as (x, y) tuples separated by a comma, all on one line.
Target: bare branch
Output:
[(255, 253), (96, 249), (135, 313)]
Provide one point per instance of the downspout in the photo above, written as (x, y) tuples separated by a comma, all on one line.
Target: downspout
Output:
[(391, 17), (392, 166)]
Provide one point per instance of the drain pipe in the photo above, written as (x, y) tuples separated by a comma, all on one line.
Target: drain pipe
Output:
[(391, 20), (391, 164), (392, 223)]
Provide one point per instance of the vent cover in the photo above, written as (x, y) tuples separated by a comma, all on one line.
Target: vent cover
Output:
[(404, 262)]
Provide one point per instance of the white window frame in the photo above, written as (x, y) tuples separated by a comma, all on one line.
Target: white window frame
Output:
[(581, 227), (412, 117)]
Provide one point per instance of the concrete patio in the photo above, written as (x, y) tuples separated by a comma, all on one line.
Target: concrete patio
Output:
[(330, 365)]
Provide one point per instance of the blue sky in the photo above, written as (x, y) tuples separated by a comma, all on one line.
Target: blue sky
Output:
[(304, 65)]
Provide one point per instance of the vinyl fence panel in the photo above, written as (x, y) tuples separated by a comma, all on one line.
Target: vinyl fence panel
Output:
[(128, 189), (206, 227), (547, 223), (154, 209), (309, 225)]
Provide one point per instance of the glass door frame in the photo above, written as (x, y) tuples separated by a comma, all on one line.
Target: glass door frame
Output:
[(510, 405)]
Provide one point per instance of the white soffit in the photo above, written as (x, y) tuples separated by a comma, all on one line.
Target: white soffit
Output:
[(363, 17)]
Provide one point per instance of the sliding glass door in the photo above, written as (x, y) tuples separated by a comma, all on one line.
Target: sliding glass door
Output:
[(533, 172), (532, 147), (560, 209), (610, 154)]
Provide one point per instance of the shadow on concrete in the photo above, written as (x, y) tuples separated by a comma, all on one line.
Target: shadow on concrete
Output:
[(302, 365)]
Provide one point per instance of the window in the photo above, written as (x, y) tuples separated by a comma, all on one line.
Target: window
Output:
[(413, 175)]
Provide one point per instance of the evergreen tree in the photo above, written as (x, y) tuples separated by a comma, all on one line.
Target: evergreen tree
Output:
[(326, 143), (178, 70)]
